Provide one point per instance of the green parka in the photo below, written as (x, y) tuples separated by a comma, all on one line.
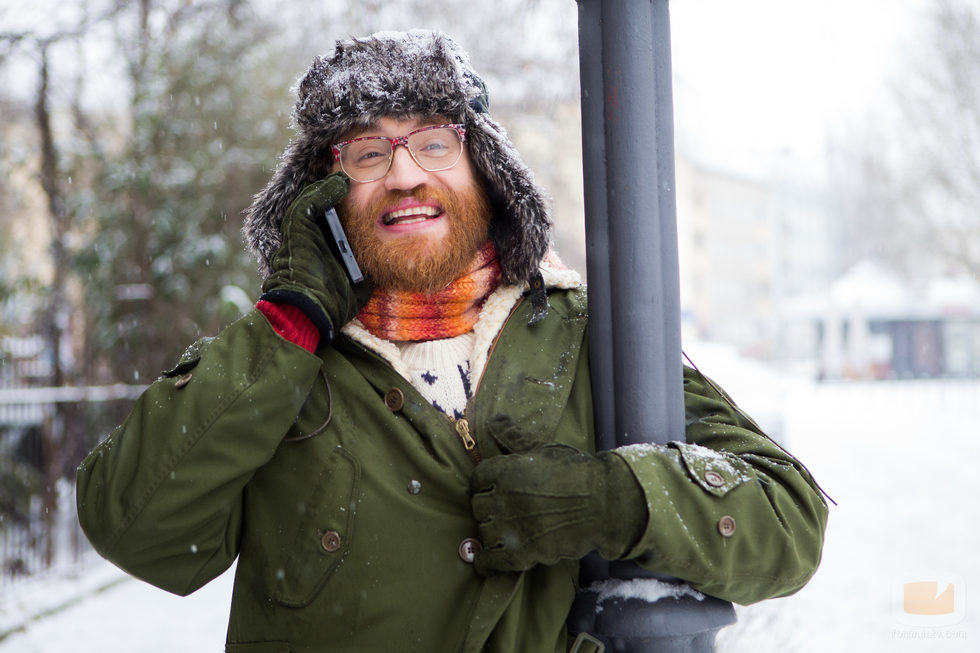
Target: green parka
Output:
[(355, 539)]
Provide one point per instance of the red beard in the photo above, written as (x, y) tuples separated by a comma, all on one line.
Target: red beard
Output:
[(413, 263)]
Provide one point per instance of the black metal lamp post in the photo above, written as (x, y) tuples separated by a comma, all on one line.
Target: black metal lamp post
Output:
[(634, 296)]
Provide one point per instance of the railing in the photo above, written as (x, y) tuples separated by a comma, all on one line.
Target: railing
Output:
[(44, 433)]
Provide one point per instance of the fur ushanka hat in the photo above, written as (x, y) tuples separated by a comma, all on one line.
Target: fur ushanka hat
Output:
[(402, 75)]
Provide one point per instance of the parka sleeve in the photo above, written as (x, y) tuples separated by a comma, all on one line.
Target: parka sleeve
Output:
[(162, 496), (730, 511)]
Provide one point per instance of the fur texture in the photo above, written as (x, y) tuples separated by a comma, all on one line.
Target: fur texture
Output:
[(402, 75)]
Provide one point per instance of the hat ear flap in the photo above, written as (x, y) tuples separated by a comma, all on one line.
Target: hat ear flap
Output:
[(521, 224), (301, 164)]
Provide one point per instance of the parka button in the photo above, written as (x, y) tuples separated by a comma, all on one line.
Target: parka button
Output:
[(330, 541), (182, 381), (468, 549), (726, 526), (394, 400), (714, 479)]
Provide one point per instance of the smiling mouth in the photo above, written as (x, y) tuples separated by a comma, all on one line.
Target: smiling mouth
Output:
[(411, 215)]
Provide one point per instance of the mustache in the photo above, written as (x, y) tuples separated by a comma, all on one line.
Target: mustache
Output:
[(423, 194)]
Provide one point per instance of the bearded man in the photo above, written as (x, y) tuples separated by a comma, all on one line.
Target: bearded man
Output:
[(407, 463)]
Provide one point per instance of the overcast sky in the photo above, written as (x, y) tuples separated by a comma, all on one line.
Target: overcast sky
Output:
[(761, 76), (752, 77)]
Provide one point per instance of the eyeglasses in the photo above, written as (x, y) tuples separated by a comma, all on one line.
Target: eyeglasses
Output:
[(434, 148)]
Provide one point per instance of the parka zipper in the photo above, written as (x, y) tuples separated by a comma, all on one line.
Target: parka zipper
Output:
[(463, 431), (463, 423)]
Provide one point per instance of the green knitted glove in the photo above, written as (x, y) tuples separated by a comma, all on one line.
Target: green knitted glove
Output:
[(546, 502), (306, 273)]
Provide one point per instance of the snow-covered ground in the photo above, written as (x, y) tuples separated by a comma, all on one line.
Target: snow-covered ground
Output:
[(897, 457), (102, 609)]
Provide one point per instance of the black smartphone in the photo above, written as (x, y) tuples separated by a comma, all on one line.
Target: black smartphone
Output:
[(343, 247)]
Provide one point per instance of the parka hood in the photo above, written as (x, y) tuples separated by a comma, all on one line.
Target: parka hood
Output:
[(402, 75)]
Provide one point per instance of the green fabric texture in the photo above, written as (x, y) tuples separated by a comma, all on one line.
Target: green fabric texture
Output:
[(542, 503), (306, 273), (776, 508), (351, 540)]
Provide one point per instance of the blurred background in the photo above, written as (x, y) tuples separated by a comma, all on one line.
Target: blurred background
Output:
[(828, 174)]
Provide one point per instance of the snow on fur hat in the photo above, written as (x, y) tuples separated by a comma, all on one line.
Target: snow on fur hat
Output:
[(402, 75)]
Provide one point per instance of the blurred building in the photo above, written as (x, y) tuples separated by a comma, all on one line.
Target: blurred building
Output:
[(749, 243), (870, 325)]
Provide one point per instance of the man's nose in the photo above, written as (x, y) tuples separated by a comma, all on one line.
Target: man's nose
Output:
[(405, 173)]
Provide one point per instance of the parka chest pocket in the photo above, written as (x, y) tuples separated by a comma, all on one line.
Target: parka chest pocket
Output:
[(325, 532)]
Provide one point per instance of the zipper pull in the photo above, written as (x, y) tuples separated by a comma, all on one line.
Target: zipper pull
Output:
[(463, 430)]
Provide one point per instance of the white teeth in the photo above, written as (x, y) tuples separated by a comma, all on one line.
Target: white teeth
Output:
[(425, 211)]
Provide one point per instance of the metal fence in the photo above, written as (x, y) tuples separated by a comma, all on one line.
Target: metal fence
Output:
[(44, 434)]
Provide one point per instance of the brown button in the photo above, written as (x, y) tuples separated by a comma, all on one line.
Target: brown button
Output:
[(714, 479), (726, 526), (182, 381), (394, 400), (330, 541), (468, 549)]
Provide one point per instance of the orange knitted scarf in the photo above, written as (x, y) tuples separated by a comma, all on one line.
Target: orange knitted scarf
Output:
[(403, 316)]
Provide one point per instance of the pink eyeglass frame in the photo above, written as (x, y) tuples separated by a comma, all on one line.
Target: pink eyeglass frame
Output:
[(400, 140)]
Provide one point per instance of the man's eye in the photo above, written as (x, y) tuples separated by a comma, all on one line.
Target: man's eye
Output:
[(435, 147), (370, 154)]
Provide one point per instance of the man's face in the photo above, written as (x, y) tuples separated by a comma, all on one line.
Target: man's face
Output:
[(413, 229)]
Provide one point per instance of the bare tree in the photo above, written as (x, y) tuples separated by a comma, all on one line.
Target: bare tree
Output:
[(912, 190), (75, 171), (142, 195)]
